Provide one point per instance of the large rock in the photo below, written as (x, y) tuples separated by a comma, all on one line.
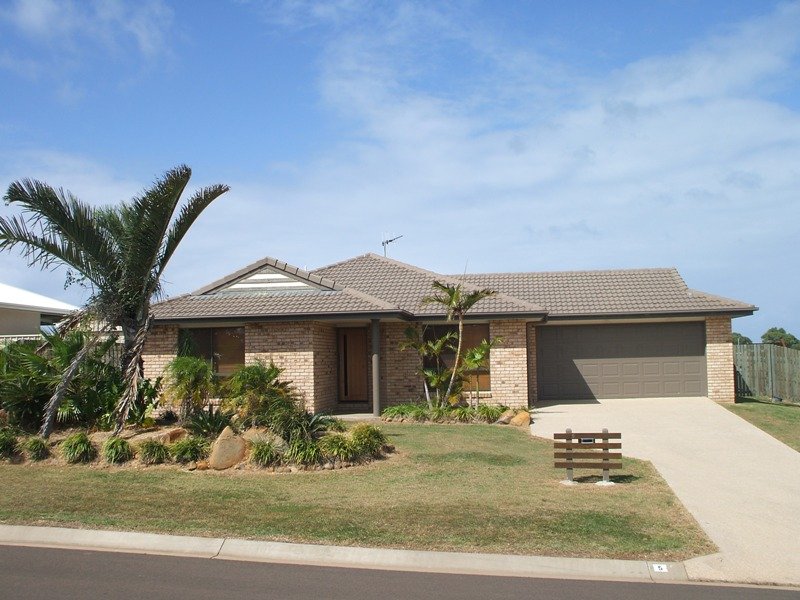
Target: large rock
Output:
[(521, 419), (228, 450), (506, 417), (172, 435), (263, 434)]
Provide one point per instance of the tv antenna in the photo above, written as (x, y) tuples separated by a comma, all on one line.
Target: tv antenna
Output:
[(386, 242)]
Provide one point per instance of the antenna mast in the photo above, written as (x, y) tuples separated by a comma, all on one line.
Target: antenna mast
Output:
[(386, 242)]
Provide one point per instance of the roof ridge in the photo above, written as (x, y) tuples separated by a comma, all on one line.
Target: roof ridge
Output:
[(343, 261), (452, 280), (721, 298), (267, 261), (364, 296), (624, 270)]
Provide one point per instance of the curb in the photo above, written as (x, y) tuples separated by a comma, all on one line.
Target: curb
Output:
[(342, 556)]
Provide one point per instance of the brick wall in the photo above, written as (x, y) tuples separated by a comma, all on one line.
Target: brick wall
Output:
[(719, 359), (159, 348), (325, 368), (400, 379), (290, 347), (508, 363)]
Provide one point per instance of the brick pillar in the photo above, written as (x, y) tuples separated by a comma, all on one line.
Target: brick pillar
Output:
[(719, 359), (533, 382), (160, 347), (508, 363)]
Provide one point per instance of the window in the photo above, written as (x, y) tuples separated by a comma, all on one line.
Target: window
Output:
[(222, 346), (473, 336)]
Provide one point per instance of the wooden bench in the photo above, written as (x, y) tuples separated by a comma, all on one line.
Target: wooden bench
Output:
[(584, 451)]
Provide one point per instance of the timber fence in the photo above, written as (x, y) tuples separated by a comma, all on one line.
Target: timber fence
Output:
[(767, 370)]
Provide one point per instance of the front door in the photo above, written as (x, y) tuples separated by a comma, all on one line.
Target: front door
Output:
[(352, 343)]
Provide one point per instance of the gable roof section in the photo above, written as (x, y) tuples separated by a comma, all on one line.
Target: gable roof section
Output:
[(609, 293), (271, 289), (405, 285)]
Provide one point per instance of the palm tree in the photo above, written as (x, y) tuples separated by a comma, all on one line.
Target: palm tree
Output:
[(476, 358), (119, 252), (456, 301)]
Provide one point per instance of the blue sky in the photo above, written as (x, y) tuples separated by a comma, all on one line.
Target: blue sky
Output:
[(517, 136)]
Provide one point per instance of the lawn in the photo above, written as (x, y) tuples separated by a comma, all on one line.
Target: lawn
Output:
[(449, 487), (781, 421)]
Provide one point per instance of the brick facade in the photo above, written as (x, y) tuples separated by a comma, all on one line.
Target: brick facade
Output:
[(400, 378), (160, 347), (508, 363), (719, 360), (326, 383)]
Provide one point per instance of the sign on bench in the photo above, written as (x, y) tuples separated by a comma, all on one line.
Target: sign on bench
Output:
[(588, 451)]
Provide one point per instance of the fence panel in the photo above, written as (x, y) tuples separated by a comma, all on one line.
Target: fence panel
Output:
[(767, 370)]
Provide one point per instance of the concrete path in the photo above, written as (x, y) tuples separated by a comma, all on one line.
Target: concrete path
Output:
[(342, 556), (741, 484)]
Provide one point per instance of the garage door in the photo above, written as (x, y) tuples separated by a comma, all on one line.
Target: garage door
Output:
[(621, 361)]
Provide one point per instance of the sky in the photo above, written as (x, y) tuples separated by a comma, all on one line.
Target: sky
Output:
[(513, 136)]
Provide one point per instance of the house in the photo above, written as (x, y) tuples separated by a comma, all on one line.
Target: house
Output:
[(24, 313), (565, 336)]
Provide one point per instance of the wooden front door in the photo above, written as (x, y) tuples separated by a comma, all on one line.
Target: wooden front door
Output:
[(352, 342)]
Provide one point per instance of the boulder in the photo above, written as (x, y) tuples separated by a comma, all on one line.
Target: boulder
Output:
[(172, 435), (228, 450), (506, 417), (264, 434), (202, 465), (521, 419)]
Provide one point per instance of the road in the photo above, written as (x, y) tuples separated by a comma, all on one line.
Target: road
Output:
[(34, 573)]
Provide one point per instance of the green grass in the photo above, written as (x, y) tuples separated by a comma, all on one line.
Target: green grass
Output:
[(473, 488), (781, 421)]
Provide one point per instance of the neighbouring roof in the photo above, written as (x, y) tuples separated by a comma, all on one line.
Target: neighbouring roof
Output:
[(19, 299), (605, 293), (375, 286)]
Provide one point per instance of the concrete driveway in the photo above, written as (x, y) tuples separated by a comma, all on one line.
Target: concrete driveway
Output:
[(742, 485)]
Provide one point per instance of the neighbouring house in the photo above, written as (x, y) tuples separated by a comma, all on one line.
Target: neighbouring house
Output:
[(565, 336), (24, 313)]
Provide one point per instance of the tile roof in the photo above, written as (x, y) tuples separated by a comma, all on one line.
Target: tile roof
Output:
[(617, 292), (371, 284), (405, 285)]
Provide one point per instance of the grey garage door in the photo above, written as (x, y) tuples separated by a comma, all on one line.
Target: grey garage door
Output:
[(621, 361)]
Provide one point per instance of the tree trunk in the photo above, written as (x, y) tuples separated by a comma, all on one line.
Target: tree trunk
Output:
[(135, 336), (458, 356)]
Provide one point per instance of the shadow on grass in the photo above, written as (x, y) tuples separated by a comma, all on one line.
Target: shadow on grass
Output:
[(614, 478)]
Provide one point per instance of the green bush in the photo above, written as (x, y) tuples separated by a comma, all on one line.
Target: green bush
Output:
[(28, 378), (490, 413), (153, 452), (78, 448), (463, 414), (409, 410), (37, 448), (303, 451), (208, 423), (337, 424), (117, 450), (190, 449), (9, 446), (263, 453), (367, 440), (189, 382), (338, 446)]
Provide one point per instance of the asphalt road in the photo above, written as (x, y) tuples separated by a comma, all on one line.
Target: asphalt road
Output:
[(37, 573)]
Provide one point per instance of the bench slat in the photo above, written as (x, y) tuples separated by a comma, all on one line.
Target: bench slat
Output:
[(572, 436), (597, 455), (595, 446), (587, 465)]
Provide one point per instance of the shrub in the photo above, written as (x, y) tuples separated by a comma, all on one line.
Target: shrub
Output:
[(190, 449), (438, 414), (408, 410), (188, 384), (78, 448), (153, 452), (256, 394), (337, 446), (463, 414), (208, 423), (37, 448), (490, 413), (303, 451), (264, 453), (9, 446), (367, 440), (337, 424), (117, 450)]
